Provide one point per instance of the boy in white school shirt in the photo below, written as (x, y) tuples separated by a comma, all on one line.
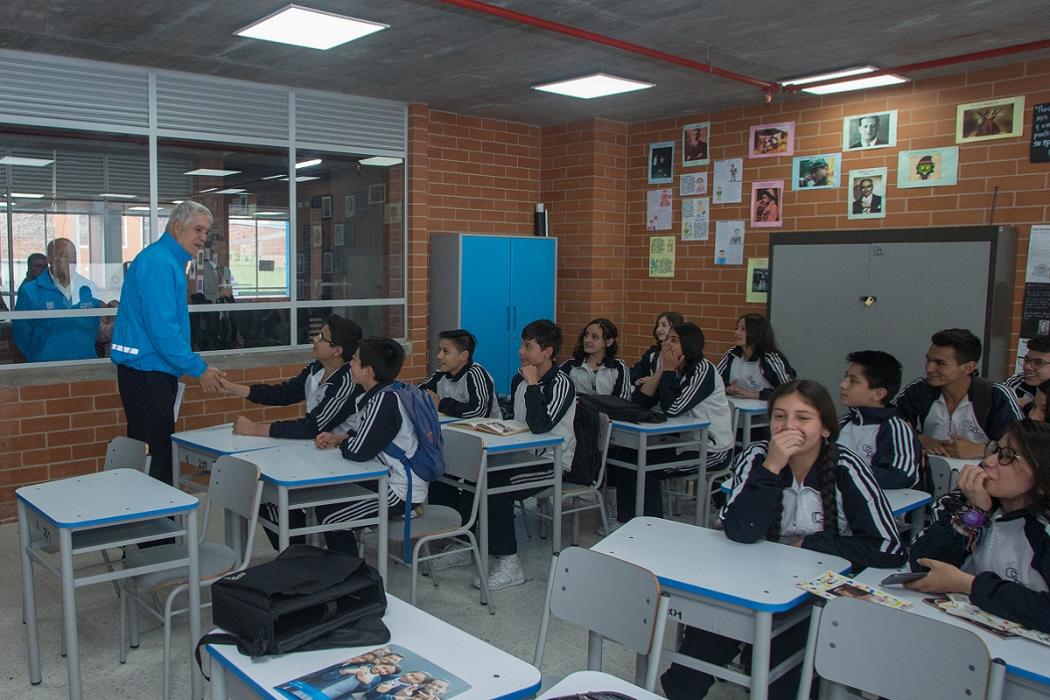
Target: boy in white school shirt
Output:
[(1035, 369), (460, 387)]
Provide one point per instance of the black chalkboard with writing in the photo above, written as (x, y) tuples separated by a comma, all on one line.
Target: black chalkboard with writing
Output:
[(1040, 134)]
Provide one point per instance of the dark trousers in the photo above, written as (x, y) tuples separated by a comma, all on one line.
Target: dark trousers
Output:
[(684, 683), (627, 488), (344, 540), (149, 406)]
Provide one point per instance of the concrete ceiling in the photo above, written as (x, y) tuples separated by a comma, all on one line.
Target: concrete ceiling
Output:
[(463, 61)]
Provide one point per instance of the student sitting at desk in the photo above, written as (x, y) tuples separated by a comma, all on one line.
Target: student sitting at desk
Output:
[(460, 387), (1035, 369), (326, 385), (1037, 411), (800, 489), (383, 422), (990, 538), (685, 384), (647, 365), (872, 429), (955, 412), (594, 367), (754, 367)]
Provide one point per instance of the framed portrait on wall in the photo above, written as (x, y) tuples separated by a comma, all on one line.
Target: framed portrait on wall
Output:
[(337, 235), (819, 172), (696, 138), (377, 193), (1001, 118), (326, 207), (873, 130), (867, 194), (661, 162), (767, 197), (349, 206), (772, 140)]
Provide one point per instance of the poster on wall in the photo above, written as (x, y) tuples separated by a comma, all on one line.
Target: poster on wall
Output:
[(1040, 151), (729, 181), (766, 199), (757, 281), (867, 194), (696, 218), (692, 184), (695, 141), (729, 243), (928, 167), (819, 172), (661, 256), (1001, 118), (658, 210), (1035, 309), (661, 163), (772, 140), (873, 130)]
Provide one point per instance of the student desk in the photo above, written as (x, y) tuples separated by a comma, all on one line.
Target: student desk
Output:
[(203, 446), (745, 411), (90, 513), (445, 419), (725, 587), (303, 477), (944, 472), (643, 437), (491, 672), (1027, 663), (911, 504), (596, 681)]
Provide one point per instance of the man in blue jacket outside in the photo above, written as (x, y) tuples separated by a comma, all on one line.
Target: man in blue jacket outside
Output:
[(151, 337)]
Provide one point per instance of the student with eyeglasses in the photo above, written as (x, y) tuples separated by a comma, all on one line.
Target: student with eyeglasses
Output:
[(1035, 369), (990, 538)]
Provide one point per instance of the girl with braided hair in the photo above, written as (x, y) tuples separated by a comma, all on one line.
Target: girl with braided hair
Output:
[(800, 489)]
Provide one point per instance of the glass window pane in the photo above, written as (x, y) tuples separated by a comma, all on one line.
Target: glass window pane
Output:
[(384, 321), (228, 329)]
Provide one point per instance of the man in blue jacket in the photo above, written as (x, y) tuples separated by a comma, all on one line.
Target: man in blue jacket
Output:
[(59, 288), (151, 338)]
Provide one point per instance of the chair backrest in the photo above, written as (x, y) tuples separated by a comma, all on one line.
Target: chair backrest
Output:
[(235, 487), (858, 641), (127, 453), (941, 474), (462, 452), (604, 435)]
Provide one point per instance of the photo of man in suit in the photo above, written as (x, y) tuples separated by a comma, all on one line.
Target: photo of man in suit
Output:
[(868, 202), (868, 128)]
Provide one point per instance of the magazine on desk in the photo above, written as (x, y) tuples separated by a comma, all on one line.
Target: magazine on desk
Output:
[(387, 672), (958, 605), (493, 426), (832, 585)]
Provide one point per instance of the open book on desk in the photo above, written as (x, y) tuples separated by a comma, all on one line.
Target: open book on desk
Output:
[(493, 426)]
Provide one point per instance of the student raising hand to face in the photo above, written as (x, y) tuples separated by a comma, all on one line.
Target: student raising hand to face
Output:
[(972, 480)]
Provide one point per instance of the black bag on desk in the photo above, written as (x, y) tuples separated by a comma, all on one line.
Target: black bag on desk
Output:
[(307, 598), (621, 409)]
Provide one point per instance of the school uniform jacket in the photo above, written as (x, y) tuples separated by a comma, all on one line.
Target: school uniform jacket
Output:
[(329, 403), (867, 533), (548, 406), (611, 378), (887, 442), (469, 393), (1024, 393), (383, 421), (47, 339), (1011, 562), (696, 392), (773, 367), (916, 399), (646, 366)]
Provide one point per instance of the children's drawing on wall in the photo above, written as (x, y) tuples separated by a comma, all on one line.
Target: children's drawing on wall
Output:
[(696, 218), (929, 167), (772, 140), (729, 242), (692, 184), (872, 130), (661, 163), (661, 256), (658, 210), (816, 172), (728, 181), (867, 189), (695, 142), (766, 203)]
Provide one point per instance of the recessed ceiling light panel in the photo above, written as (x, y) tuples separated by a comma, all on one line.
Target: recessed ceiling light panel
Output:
[(211, 172), (591, 86), (29, 162), (302, 26), (381, 161)]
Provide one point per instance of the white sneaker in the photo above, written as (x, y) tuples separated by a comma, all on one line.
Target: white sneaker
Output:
[(614, 525), (507, 573), (462, 557)]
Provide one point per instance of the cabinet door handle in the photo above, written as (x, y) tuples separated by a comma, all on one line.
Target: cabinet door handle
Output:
[(508, 318), (869, 300), (514, 322)]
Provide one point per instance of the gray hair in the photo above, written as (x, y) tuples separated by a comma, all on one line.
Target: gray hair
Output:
[(186, 212)]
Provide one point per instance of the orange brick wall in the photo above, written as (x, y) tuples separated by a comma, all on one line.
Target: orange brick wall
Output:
[(714, 296)]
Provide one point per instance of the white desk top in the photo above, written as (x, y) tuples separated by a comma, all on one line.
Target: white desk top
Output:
[(756, 406), (117, 495), (1022, 657), (444, 418), (221, 440), (587, 681), (511, 443), (671, 425), (491, 673), (687, 558), (300, 463), (906, 500)]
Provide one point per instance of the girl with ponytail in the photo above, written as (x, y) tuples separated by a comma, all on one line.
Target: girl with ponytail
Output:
[(801, 489)]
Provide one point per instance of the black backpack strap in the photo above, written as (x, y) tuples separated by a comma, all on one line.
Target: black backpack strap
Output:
[(982, 395), (216, 638)]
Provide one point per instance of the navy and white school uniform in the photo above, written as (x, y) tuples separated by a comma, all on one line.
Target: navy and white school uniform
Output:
[(866, 535), (469, 393), (695, 392), (612, 377), (330, 403), (982, 415), (763, 373), (646, 366), (887, 442), (383, 421), (1011, 561), (1024, 393)]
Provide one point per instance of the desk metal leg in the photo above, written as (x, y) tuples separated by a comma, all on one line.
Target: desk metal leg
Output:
[(194, 594), (28, 597), (808, 661), (218, 680), (745, 437), (918, 522), (483, 522), (176, 464), (639, 483), (702, 496), (282, 518), (556, 503), (69, 611), (381, 546), (760, 653)]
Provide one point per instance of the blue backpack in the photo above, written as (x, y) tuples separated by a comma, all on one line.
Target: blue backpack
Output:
[(428, 462)]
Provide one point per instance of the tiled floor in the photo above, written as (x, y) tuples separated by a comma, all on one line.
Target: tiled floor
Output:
[(513, 628)]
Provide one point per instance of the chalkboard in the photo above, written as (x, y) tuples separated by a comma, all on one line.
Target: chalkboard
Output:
[(1040, 152)]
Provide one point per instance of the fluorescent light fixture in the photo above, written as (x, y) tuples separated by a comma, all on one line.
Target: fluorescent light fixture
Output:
[(269, 213), (177, 201), (210, 189), (308, 163), (274, 177), (211, 172), (590, 86), (138, 208), (27, 195), (302, 178), (232, 190), (29, 162), (381, 161), (115, 195), (845, 85), (301, 26)]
